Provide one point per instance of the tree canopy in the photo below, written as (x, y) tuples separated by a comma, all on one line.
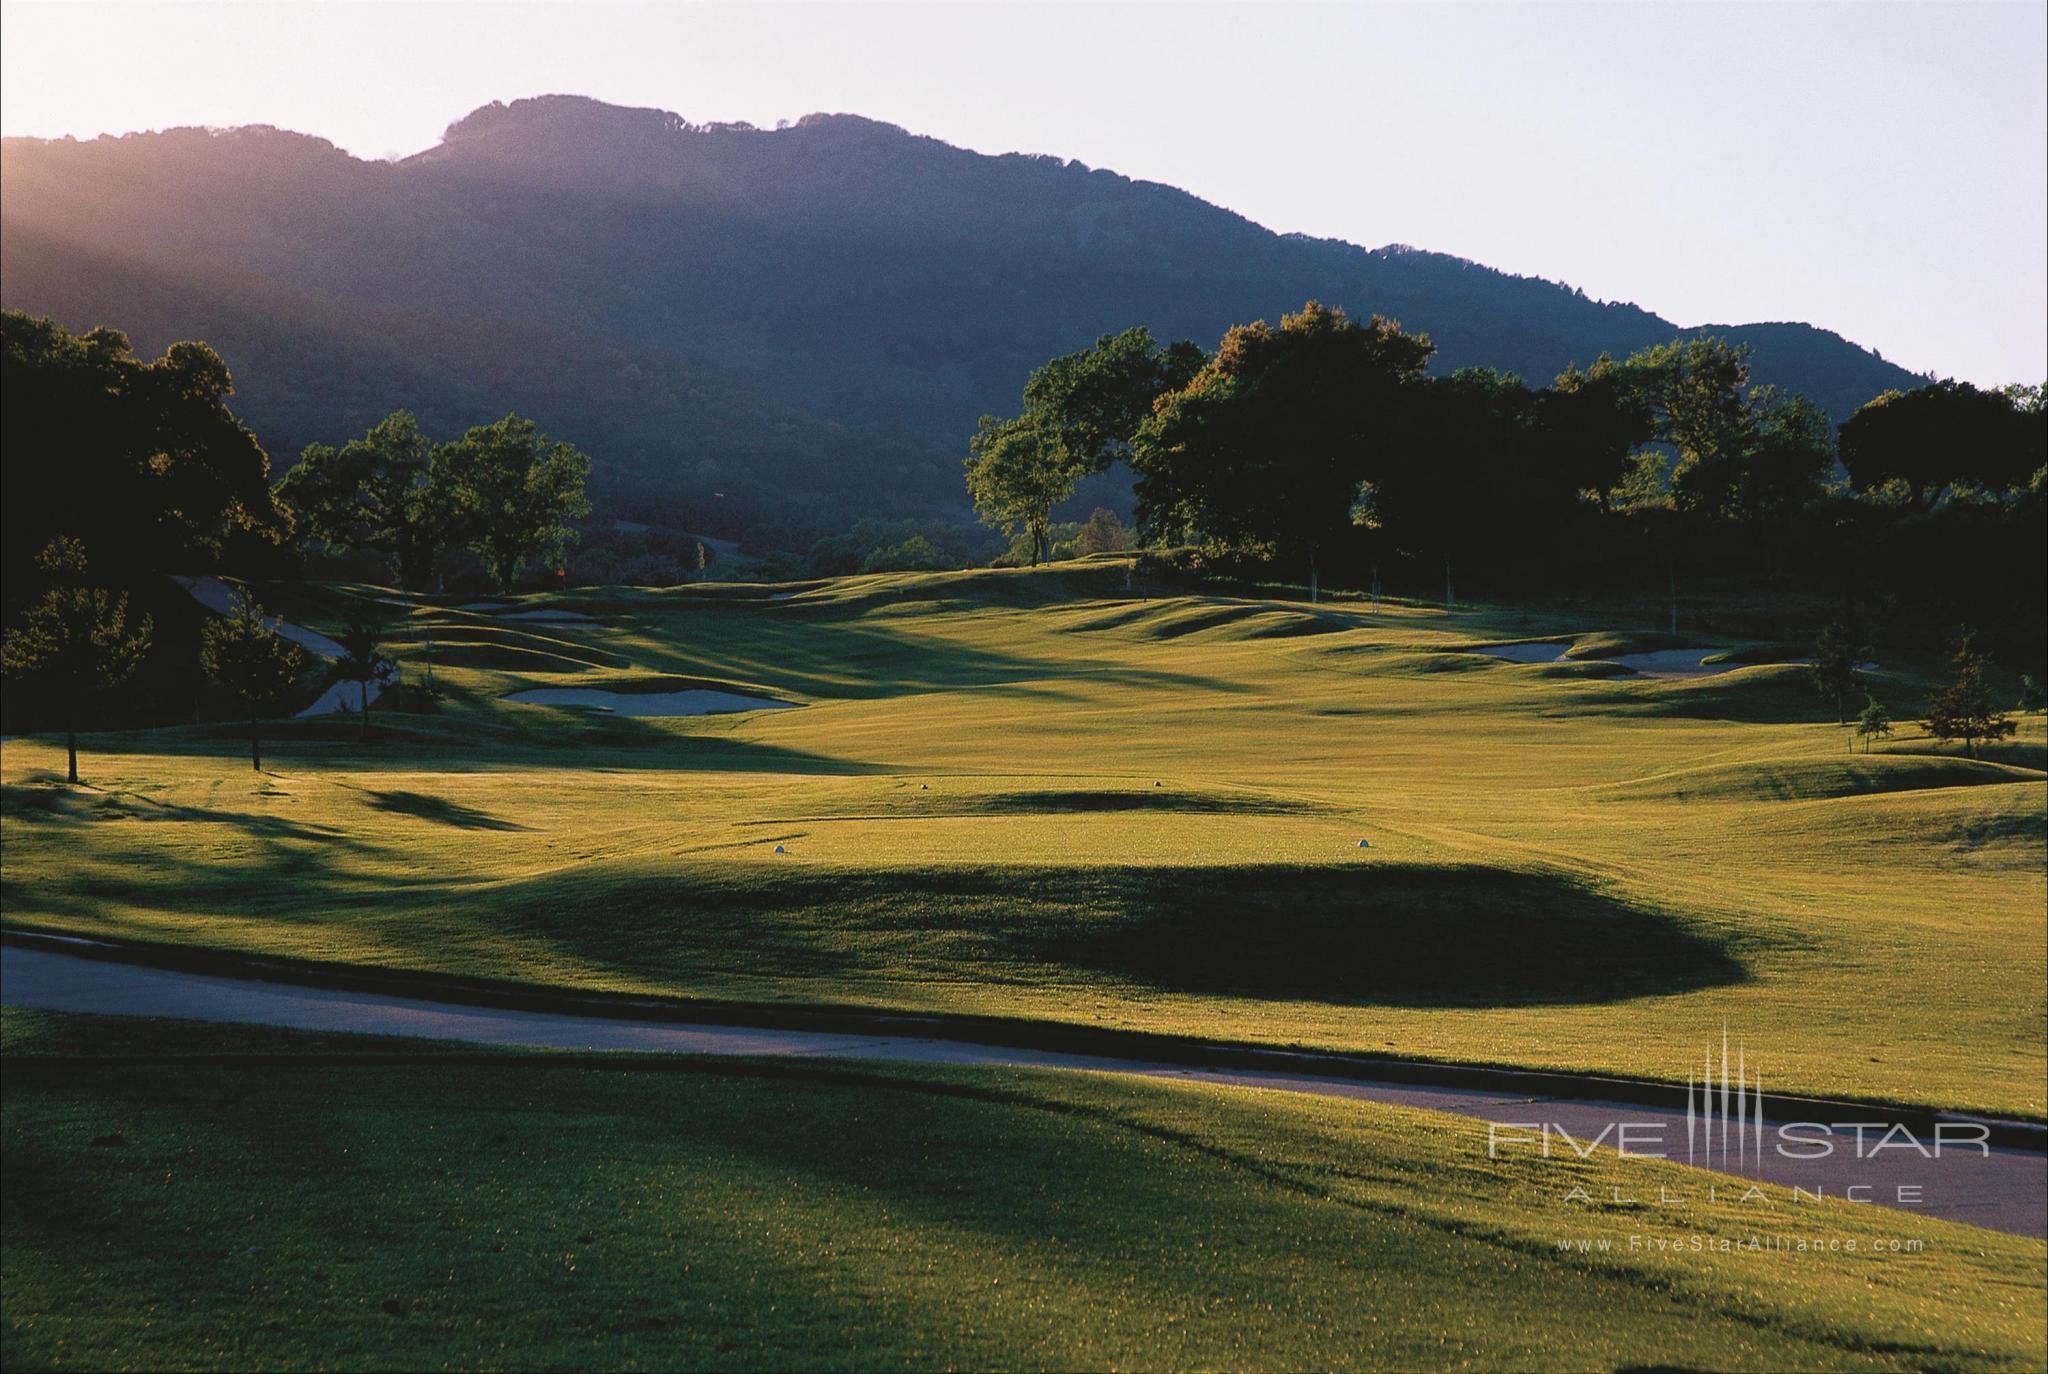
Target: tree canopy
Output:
[(512, 493), (1265, 449), (1946, 432), (143, 459), (243, 652), (74, 642), (1017, 471), (373, 493)]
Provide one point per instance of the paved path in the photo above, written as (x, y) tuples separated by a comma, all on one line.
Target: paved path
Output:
[(2005, 1189)]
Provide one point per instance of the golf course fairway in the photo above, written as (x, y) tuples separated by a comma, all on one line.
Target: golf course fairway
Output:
[(1060, 796)]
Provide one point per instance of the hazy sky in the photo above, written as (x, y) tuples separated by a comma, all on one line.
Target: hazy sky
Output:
[(1880, 169)]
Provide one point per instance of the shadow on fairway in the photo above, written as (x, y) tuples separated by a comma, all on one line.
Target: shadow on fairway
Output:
[(1364, 935), (1468, 937), (518, 736), (440, 810)]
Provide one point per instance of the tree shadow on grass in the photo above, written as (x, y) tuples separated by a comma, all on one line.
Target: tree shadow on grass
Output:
[(538, 737), (440, 810), (60, 804), (1361, 935), (1377, 936)]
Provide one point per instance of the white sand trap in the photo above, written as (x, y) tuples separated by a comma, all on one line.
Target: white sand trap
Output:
[(1674, 663), (342, 696), (1544, 651), (695, 701), (218, 597)]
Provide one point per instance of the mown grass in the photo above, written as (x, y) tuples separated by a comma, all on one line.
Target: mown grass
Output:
[(1039, 794), (182, 1195)]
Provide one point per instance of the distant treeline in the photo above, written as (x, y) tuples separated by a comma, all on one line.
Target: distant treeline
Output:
[(1319, 449), (1323, 447), (143, 463)]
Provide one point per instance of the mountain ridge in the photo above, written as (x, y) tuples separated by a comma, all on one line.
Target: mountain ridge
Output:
[(837, 268)]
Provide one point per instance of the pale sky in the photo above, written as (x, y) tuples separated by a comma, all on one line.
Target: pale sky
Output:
[(1880, 169)]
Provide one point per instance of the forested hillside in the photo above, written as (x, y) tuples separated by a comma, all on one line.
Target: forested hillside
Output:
[(749, 329)]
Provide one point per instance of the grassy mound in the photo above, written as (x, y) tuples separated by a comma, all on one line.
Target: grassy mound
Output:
[(1812, 779)]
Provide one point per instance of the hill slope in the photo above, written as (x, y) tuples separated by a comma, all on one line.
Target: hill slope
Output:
[(839, 268)]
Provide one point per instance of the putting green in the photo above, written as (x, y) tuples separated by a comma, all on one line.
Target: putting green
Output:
[(1037, 794)]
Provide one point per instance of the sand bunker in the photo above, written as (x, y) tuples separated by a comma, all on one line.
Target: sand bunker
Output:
[(1659, 663), (695, 701), (1674, 663), (218, 597)]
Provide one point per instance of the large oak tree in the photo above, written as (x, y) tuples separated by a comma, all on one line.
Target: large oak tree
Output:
[(142, 459)]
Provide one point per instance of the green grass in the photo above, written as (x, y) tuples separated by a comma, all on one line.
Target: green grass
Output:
[(1034, 794), (184, 1195)]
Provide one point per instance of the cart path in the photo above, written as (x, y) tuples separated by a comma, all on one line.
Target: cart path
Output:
[(2002, 1188)]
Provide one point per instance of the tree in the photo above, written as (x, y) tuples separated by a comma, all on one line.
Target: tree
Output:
[(374, 493), (1464, 476), (512, 493), (1741, 452), (243, 652), (1016, 473), (74, 643), (1081, 411), (1962, 710), (1092, 402), (914, 554), (1791, 449), (2033, 697), (1696, 390), (361, 664), (1944, 433), (1264, 451), (1103, 533), (142, 458), (1588, 426), (1875, 722), (1835, 656)]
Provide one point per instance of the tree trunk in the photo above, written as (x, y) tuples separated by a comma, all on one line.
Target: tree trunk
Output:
[(1450, 593), (1671, 574), (1375, 581), (255, 746), (363, 732), (71, 754), (1314, 587)]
